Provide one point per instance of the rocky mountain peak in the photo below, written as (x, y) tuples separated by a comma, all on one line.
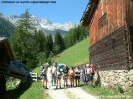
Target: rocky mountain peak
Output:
[(44, 24)]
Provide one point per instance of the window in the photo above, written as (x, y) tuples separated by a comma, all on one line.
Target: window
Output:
[(102, 21)]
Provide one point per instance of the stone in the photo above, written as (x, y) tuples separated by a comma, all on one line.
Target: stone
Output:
[(123, 74), (125, 88), (129, 84), (111, 78), (115, 82), (131, 78), (125, 79), (131, 72), (121, 83), (119, 80), (104, 84)]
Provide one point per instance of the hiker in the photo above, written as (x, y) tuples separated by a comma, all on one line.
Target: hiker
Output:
[(89, 75), (65, 75), (53, 70), (58, 78), (71, 76), (77, 76), (93, 71), (83, 75), (44, 75)]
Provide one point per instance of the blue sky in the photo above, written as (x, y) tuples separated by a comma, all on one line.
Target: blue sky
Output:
[(60, 12)]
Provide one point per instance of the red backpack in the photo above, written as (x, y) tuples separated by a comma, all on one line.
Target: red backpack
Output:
[(93, 69)]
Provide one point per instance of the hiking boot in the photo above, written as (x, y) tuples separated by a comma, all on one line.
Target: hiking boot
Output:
[(46, 88), (73, 85)]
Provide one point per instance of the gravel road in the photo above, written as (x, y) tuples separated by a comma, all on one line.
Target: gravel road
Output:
[(67, 93)]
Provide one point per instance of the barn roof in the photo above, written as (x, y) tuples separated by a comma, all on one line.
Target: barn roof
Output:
[(89, 12), (5, 48)]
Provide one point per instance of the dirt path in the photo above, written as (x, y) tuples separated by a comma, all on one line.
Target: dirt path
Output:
[(67, 93)]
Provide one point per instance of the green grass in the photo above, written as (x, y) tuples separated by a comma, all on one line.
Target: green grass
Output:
[(105, 93), (35, 90), (75, 55)]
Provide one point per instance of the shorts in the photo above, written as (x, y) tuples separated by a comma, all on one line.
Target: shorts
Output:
[(58, 77), (44, 76), (71, 77), (65, 77), (90, 77), (77, 77)]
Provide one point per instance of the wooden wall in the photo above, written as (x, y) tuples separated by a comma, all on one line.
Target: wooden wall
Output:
[(113, 51), (109, 16)]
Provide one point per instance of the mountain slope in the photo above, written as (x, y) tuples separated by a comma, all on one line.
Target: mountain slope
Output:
[(44, 24), (6, 28), (75, 55)]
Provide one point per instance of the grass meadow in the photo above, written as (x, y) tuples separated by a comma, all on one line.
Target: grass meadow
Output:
[(75, 55)]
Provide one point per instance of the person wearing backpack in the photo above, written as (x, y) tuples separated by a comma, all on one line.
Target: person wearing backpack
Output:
[(58, 78), (92, 73), (44, 75), (88, 74)]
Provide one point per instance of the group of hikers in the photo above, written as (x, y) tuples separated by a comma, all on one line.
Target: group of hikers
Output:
[(71, 74)]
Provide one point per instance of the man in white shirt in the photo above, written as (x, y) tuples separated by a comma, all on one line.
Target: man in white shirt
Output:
[(53, 70), (89, 73)]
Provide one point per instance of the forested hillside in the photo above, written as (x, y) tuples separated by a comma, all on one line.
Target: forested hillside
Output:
[(32, 47), (6, 28)]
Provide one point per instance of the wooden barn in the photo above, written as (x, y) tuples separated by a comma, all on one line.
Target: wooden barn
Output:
[(110, 25), (111, 33), (6, 56)]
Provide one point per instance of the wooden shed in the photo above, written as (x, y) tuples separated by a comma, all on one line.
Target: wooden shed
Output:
[(6, 56), (111, 33)]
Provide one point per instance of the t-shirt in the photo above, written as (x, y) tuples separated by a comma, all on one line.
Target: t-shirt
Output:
[(89, 70), (77, 72), (53, 70), (71, 72)]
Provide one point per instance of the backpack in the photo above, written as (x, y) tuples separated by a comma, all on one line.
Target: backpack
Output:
[(41, 69), (93, 69)]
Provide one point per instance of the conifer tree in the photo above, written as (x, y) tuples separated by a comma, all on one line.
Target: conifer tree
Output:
[(22, 39), (58, 43), (49, 45)]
